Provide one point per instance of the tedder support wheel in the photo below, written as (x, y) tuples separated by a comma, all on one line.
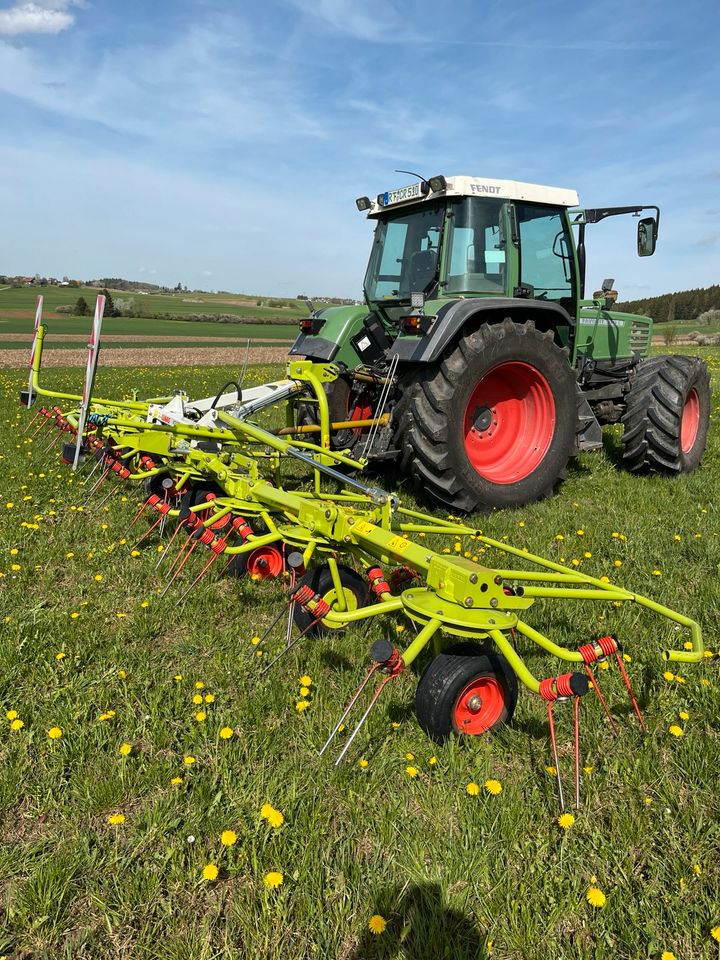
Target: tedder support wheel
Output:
[(493, 423), (667, 415), (468, 690), (356, 594)]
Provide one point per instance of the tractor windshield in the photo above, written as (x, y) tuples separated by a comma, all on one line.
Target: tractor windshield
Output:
[(476, 250), (404, 257)]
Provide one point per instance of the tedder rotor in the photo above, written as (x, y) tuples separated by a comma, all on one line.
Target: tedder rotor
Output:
[(266, 502)]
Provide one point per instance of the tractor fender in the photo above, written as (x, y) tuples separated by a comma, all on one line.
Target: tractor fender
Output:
[(452, 317)]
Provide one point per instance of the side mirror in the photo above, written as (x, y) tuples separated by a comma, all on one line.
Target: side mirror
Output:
[(647, 236)]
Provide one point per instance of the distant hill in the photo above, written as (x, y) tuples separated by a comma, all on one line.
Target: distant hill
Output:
[(680, 307)]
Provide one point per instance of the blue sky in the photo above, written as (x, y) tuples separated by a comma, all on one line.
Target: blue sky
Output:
[(222, 144)]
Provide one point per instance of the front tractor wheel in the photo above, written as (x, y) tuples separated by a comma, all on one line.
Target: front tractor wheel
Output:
[(667, 415), (493, 424), (466, 690)]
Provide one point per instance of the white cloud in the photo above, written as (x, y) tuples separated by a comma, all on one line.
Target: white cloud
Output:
[(46, 16)]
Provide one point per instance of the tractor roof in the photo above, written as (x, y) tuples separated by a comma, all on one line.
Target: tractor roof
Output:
[(460, 186)]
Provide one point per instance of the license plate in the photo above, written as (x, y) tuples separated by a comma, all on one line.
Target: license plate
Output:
[(404, 193)]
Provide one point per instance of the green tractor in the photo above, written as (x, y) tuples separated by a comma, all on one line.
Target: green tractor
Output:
[(477, 365)]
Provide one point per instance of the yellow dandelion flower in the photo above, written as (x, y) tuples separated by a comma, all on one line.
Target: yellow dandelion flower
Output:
[(657, 573), (409, 756), (199, 685), (715, 933), (411, 771), (210, 872), (587, 554), (125, 749), (226, 733), (647, 800), (273, 816), (178, 677), (144, 603), (200, 716), (493, 786), (197, 699), (60, 655), (551, 770), (122, 674), (473, 789), (55, 733), (176, 780), (566, 820), (74, 615), (669, 676), (580, 533), (116, 819), (255, 641), (684, 715), (617, 563), (273, 879), (304, 691), (98, 577), (305, 680), (432, 761), (667, 955), (696, 869), (675, 730), (11, 714), (595, 897), (209, 698), (188, 761), (302, 705), (16, 724), (377, 924), (362, 764), (228, 838)]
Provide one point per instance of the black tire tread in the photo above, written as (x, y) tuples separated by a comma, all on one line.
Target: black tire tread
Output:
[(653, 415)]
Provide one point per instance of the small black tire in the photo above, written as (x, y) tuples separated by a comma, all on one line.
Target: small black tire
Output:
[(667, 415), (444, 696), (319, 579), (493, 424)]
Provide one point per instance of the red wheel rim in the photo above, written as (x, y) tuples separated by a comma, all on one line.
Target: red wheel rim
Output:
[(264, 562), (479, 706), (509, 422), (690, 421)]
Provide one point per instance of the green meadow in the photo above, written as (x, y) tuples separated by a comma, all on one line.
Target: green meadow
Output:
[(159, 799)]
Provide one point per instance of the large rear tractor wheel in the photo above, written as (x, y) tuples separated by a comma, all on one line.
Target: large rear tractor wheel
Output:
[(667, 415), (466, 690), (493, 424)]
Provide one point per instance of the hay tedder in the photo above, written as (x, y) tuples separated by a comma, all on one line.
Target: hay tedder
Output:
[(222, 481)]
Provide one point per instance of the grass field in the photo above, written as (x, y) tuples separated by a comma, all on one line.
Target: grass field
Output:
[(104, 850), (17, 311)]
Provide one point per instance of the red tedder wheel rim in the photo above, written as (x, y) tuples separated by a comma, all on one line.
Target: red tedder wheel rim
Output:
[(690, 421), (479, 706), (509, 422), (264, 562)]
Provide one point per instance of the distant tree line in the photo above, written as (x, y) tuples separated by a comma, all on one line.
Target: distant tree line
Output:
[(684, 306)]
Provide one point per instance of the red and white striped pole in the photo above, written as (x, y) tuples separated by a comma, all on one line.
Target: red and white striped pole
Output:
[(93, 352), (38, 320)]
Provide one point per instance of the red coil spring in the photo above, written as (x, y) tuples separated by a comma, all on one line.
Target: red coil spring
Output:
[(547, 691), (303, 595), (378, 582), (608, 645), (562, 685)]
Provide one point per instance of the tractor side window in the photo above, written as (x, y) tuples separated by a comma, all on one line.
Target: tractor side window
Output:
[(476, 255), (545, 258)]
